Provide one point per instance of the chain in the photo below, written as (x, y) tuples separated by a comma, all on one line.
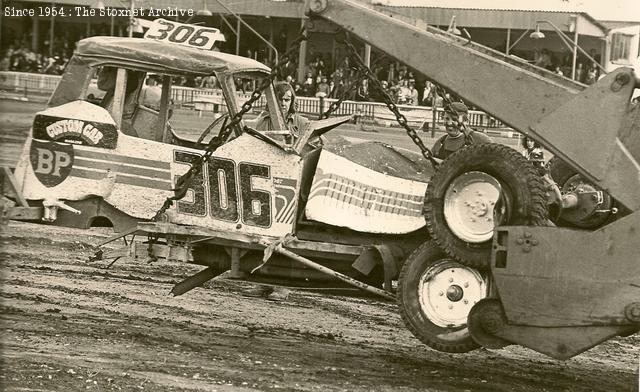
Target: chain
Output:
[(183, 183), (400, 118)]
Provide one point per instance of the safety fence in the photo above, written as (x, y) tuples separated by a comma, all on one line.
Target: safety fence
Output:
[(372, 112), (211, 100), (27, 82)]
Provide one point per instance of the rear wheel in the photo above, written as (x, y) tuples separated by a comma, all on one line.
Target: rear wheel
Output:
[(435, 296), (475, 190)]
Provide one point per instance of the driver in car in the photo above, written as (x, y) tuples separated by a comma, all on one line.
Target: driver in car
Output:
[(296, 124), (456, 119)]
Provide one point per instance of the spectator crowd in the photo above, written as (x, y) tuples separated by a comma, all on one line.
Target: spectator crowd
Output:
[(587, 71), (321, 77), (17, 55)]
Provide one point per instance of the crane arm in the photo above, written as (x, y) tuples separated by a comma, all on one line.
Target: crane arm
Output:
[(593, 129)]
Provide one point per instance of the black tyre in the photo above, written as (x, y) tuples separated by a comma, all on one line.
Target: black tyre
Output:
[(590, 215), (435, 296), (560, 171), (474, 190)]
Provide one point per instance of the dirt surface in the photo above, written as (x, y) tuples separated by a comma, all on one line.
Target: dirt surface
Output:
[(71, 325)]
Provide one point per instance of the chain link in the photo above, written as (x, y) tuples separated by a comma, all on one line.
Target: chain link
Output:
[(400, 118), (183, 183)]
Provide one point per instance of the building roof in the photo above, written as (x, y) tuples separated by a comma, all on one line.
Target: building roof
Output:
[(162, 57), (617, 10), (494, 18)]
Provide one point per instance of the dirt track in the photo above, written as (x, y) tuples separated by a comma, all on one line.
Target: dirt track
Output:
[(68, 325)]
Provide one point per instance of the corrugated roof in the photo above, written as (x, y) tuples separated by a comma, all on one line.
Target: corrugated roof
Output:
[(497, 19), (616, 10), (503, 5)]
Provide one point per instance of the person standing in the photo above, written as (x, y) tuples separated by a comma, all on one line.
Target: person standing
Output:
[(533, 152), (413, 93), (459, 135), (579, 73), (427, 97)]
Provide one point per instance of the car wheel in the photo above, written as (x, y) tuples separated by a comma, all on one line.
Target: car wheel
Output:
[(560, 171), (435, 296), (476, 189), (592, 213)]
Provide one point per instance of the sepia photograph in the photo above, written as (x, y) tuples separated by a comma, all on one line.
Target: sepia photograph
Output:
[(320, 195)]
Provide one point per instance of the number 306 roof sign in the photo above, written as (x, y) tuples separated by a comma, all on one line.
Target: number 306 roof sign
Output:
[(184, 34)]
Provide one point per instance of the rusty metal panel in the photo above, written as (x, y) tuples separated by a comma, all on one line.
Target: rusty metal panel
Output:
[(551, 276), (250, 241)]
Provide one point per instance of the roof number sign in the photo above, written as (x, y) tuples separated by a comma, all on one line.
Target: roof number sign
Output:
[(184, 34)]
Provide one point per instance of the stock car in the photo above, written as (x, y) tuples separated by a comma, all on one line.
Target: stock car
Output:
[(354, 208)]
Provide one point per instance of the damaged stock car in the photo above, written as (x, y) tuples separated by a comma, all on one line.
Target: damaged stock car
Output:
[(260, 207)]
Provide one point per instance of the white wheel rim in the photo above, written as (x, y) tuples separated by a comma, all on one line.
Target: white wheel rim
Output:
[(469, 203), (447, 291)]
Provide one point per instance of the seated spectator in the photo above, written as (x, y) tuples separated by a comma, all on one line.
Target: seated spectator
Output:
[(362, 93), (209, 82), (544, 59), (558, 71), (592, 74), (308, 89), (404, 93), (332, 88), (323, 90), (377, 95)]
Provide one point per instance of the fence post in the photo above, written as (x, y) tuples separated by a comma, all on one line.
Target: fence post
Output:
[(434, 116), (321, 108)]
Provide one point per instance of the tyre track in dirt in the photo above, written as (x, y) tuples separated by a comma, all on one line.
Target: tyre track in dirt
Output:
[(120, 329)]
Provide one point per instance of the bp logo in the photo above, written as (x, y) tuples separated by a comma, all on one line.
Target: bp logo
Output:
[(51, 162)]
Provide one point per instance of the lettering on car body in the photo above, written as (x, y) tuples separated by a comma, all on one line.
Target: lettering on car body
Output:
[(74, 131)]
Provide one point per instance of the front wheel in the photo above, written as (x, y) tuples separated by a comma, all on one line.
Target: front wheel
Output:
[(435, 296)]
